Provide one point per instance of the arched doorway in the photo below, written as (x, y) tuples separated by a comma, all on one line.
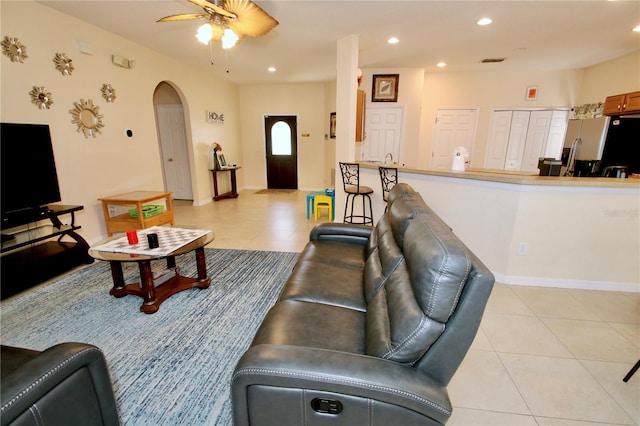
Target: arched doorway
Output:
[(172, 137)]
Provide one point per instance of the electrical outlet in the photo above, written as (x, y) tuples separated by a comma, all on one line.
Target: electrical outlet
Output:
[(112, 211), (523, 249)]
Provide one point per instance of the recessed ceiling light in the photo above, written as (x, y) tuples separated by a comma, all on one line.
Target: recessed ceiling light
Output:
[(637, 28), (271, 69), (393, 40), (485, 21), (441, 64)]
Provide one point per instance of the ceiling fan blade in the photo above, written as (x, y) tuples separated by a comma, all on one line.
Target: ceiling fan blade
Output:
[(183, 17), (213, 7), (251, 20)]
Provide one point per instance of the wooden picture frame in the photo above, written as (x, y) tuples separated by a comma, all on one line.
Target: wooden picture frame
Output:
[(385, 88), (332, 125), (222, 161)]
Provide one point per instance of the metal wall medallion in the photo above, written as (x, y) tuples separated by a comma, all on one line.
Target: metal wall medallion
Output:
[(41, 97), (87, 118), (108, 92), (14, 50), (63, 63)]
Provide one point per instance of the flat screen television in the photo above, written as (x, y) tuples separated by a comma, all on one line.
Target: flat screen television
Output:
[(29, 181)]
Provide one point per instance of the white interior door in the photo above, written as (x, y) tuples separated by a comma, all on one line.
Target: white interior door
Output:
[(175, 159), (383, 130), (454, 127)]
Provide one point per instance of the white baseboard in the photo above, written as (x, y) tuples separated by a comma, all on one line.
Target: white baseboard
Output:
[(629, 287)]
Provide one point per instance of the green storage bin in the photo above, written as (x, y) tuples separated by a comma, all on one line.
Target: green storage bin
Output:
[(148, 210)]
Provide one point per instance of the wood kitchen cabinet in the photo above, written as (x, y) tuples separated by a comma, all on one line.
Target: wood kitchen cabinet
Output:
[(360, 115), (626, 103)]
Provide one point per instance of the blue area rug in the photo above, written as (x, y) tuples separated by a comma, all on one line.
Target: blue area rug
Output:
[(172, 367)]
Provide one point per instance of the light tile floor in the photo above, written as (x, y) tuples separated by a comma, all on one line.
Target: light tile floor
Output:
[(542, 356)]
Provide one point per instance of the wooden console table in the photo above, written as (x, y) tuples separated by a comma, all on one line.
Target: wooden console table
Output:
[(234, 188), (117, 216)]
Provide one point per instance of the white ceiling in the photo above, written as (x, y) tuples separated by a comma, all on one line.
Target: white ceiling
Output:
[(532, 35)]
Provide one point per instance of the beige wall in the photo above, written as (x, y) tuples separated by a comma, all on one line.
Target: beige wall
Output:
[(330, 162), (488, 91), (621, 75), (410, 84), (306, 101), (111, 163)]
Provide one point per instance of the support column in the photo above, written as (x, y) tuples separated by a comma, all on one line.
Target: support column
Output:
[(346, 91)]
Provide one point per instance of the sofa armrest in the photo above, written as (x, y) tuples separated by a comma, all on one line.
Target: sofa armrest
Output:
[(342, 232), (293, 367), (69, 382)]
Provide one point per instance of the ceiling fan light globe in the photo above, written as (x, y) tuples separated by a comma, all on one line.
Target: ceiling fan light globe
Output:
[(205, 33), (229, 39)]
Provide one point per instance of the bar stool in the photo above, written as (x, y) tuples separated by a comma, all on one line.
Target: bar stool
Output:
[(388, 178), (322, 202), (351, 183)]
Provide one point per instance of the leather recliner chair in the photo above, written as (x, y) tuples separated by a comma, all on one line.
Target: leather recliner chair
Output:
[(67, 384)]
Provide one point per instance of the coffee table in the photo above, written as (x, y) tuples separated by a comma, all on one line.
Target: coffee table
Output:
[(154, 291)]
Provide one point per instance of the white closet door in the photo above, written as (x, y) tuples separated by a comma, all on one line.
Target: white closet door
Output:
[(498, 139), (536, 143), (557, 131), (517, 140)]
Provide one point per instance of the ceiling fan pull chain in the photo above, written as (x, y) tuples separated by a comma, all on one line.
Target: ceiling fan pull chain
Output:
[(211, 52), (226, 52)]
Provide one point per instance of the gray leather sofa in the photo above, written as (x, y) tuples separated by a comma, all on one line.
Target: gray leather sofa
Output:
[(67, 384), (369, 328)]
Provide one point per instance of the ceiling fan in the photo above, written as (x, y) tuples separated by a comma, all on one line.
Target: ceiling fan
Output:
[(228, 20)]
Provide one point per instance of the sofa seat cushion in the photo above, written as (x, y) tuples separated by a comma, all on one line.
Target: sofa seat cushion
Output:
[(313, 325), (330, 284), (334, 253)]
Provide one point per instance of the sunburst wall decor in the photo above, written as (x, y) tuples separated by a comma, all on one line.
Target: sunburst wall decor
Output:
[(87, 118), (41, 97), (108, 92), (63, 63), (14, 50)]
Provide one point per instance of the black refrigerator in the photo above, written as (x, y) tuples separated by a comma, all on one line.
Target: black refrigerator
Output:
[(622, 143)]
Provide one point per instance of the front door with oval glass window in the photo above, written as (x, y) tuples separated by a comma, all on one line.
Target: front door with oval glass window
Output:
[(282, 151)]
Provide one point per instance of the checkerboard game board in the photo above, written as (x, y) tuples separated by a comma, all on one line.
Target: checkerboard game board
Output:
[(169, 239)]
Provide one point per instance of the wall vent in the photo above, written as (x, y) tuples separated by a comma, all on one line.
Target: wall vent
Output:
[(492, 60)]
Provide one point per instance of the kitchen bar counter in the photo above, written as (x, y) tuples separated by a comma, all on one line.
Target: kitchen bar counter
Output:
[(533, 230), (519, 178)]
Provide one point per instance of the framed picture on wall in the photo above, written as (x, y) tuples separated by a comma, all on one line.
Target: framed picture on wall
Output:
[(332, 125), (385, 88), (532, 93)]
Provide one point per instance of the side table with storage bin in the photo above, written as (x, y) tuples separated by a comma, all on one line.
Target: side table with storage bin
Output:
[(137, 210)]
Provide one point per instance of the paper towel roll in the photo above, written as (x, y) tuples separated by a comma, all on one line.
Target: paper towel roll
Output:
[(457, 165)]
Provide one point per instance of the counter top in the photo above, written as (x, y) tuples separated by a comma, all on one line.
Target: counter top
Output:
[(518, 178)]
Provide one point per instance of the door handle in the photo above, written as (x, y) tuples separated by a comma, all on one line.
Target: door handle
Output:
[(170, 160)]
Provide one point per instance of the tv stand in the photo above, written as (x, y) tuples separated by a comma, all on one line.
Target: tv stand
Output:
[(7, 237), (33, 250)]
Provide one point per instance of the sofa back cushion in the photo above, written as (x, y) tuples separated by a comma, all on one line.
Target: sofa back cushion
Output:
[(413, 280)]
